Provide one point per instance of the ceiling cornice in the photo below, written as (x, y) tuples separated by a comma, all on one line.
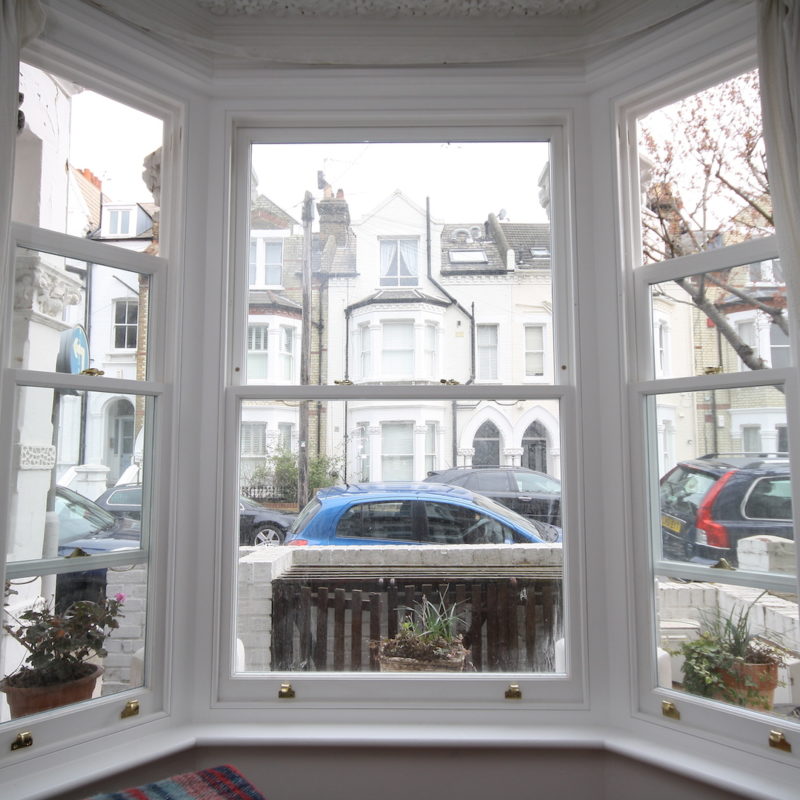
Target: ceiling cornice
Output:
[(398, 8)]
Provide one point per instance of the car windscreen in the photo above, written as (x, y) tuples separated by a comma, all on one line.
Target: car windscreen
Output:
[(684, 486), (79, 517), (305, 516)]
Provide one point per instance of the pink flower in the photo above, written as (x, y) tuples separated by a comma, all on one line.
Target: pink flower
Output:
[(120, 598)]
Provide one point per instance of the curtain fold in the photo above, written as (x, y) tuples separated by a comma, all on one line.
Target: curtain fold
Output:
[(20, 21), (779, 69)]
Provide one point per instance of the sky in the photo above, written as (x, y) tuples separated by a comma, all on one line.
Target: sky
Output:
[(112, 140), (465, 181)]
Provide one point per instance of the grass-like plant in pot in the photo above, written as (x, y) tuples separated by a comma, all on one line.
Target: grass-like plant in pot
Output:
[(727, 662), (427, 640), (57, 669)]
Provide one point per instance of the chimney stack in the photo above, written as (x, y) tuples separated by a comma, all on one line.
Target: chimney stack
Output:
[(334, 217)]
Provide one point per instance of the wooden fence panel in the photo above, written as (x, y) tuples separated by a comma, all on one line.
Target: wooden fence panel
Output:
[(508, 624)]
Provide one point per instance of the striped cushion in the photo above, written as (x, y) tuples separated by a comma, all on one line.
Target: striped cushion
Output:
[(217, 783)]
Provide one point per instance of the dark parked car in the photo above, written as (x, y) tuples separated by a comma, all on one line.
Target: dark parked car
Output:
[(257, 525), (708, 504), (535, 495), (84, 527), (411, 513), (83, 523)]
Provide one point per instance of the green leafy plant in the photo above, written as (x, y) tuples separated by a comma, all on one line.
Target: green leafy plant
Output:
[(429, 632), (714, 662), (60, 645)]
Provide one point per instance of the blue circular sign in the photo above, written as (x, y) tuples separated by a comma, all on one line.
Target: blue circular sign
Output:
[(73, 351)]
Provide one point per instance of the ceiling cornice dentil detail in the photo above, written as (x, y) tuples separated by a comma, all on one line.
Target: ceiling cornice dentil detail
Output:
[(398, 8)]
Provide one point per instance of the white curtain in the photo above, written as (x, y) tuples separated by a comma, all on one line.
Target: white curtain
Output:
[(20, 21), (388, 259), (779, 68)]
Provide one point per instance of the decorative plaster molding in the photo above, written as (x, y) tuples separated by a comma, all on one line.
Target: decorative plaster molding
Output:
[(399, 8), (43, 288), (37, 456)]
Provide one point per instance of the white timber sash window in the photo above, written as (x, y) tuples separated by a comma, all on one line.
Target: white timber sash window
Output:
[(387, 394), (714, 528), (78, 413), (487, 352)]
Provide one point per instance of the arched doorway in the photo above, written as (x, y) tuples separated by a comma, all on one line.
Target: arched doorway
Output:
[(120, 437), (487, 446), (534, 447)]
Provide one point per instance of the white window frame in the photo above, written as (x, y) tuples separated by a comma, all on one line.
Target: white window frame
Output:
[(408, 352), (251, 431), (364, 340), (430, 349), (539, 690), (397, 281), (262, 267), (287, 348), (262, 329), (81, 725), (64, 726), (748, 729), (116, 216), (492, 347), (546, 323), (115, 326)]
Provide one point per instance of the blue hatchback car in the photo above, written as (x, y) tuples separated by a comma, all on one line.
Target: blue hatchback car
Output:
[(411, 513)]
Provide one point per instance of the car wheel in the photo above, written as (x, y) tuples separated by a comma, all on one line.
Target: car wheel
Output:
[(268, 535)]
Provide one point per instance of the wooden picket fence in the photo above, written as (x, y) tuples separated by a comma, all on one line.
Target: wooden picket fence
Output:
[(508, 623)]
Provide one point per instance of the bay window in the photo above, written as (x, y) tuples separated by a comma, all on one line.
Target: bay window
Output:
[(80, 414), (397, 451), (257, 352), (398, 349), (406, 416), (716, 524)]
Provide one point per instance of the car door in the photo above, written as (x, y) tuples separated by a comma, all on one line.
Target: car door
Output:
[(536, 496), (377, 522), (448, 523)]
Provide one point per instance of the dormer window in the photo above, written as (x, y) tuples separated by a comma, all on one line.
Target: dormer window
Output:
[(399, 262), (120, 222)]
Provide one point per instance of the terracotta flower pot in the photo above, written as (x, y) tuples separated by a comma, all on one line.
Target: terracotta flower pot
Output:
[(24, 700), (750, 685)]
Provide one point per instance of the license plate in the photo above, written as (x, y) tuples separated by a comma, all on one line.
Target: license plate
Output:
[(675, 525)]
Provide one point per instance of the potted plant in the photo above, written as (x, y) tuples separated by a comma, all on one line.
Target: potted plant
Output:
[(57, 670), (727, 662), (427, 641)]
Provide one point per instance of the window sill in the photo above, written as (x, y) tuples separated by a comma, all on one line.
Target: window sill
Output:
[(711, 764)]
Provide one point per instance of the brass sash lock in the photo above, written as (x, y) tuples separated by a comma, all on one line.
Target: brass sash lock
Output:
[(778, 740), (131, 709), (24, 739), (513, 692), (669, 709), (286, 692)]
